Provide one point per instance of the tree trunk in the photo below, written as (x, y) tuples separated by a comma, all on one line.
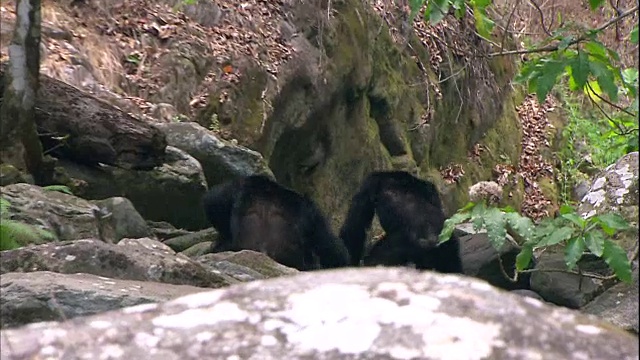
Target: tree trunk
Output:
[(19, 140)]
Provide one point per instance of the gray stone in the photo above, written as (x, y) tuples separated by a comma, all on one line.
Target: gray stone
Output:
[(47, 296), (374, 313)]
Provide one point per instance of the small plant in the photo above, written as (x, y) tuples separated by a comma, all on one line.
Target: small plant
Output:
[(14, 234), (569, 229)]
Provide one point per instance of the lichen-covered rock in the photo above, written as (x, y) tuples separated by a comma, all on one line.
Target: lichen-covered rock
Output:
[(221, 160), (48, 296), (382, 313), (614, 189), (131, 259)]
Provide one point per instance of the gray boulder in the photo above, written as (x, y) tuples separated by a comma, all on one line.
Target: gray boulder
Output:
[(47, 296), (374, 313), (221, 160)]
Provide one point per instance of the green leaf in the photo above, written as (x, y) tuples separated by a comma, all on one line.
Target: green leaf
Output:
[(579, 70), (595, 4), (576, 219), (548, 78), (467, 207), (595, 242), (634, 35), (459, 7), (524, 257), (450, 224), (617, 260), (605, 78), (566, 209), (495, 223), (597, 50), (557, 236), (477, 214), (521, 225), (481, 3), (484, 25), (573, 252), (508, 209), (613, 221), (415, 6), (436, 10)]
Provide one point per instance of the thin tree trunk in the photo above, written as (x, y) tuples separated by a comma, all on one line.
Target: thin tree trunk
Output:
[(18, 134)]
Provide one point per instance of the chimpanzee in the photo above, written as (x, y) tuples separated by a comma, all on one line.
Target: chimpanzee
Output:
[(410, 212), (256, 213)]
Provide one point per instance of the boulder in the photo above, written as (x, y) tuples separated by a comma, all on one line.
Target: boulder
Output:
[(374, 313), (48, 296), (221, 160), (131, 259)]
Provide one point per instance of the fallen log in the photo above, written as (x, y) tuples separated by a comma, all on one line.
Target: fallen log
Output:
[(80, 127)]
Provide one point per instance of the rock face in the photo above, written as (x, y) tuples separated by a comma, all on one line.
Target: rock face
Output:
[(354, 99), (382, 313)]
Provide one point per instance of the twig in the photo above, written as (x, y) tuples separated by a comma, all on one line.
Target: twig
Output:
[(555, 47), (506, 27), (608, 103), (544, 28)]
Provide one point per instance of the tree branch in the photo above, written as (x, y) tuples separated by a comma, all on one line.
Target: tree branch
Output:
[(555, 47)]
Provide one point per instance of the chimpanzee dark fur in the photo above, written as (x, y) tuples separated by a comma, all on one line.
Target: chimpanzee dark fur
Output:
[(410, 212), (256, 213)]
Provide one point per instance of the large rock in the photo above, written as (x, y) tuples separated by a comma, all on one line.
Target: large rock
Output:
[(618, 305), (221, 160), (568, 289), (481, 260), (245, 265), (131, 259), (375, 313), (47, 296), (171, 192), (68, 217)]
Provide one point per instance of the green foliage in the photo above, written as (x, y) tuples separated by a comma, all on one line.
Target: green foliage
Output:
[(589, 132), (577, 58), (569, 229), (14, 234)]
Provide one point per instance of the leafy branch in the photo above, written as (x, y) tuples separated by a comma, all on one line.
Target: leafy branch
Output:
[(592, 235)]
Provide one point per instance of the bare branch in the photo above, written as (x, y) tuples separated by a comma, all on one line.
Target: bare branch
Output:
[(544, 27)]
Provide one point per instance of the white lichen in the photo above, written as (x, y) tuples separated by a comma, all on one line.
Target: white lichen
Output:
[(224, 311), (588, 329)]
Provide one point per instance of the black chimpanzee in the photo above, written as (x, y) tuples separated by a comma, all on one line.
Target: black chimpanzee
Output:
[(256, 213), (410, 212)]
